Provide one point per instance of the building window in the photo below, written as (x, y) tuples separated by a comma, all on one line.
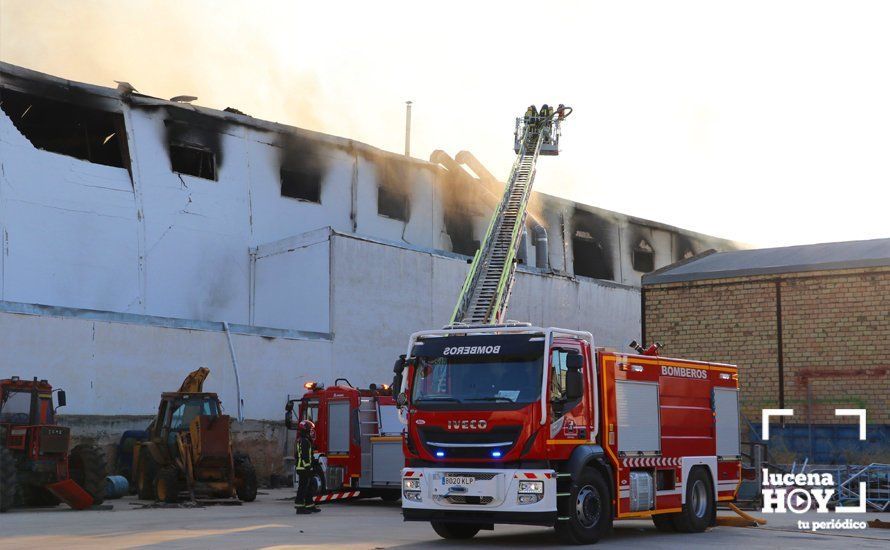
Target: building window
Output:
[(392, 203), (643, 257), (68, 129), (589, 258), (193, 160), (302, 185)]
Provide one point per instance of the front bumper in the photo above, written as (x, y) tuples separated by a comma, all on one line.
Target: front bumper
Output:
[(492, 497)]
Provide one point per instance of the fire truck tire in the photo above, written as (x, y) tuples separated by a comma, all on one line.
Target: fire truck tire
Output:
[(8, 479), (588, 508), (245, 478), (700, 505), (167, 485), (87, 467), (664, 523), (145, 476), (455, 530)]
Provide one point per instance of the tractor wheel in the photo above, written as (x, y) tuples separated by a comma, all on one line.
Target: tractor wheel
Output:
[(167, 485), (8, 479), (245, 478), (145, 475), (87, 467)]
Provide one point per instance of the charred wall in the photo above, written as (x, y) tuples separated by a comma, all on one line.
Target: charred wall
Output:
[(303, 166), (592, 250), (81, 129)]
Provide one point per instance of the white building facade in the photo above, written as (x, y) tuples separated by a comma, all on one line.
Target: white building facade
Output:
[(134, 230)]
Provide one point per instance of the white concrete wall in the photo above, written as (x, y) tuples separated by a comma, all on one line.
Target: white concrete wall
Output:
[(113, 368), (84, 235), (383, 293)]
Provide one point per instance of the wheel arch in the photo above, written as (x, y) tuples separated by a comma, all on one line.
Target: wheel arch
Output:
[(591, 456), (708, 463)]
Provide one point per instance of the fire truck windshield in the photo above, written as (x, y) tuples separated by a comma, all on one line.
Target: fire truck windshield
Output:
[(475, 380)]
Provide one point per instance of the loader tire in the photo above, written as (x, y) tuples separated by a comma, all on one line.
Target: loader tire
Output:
[(588, 509), (88, 468), (145, 476), (245, 478), (167, 485), (700, 505), (8, 479)]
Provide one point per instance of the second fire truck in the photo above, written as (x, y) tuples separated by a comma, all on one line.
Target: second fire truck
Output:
[(511, 423)]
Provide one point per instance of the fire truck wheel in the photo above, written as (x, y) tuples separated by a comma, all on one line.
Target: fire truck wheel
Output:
[(455, 530), (8, 479), (699, 507), (87, 467), (588, 508), (167, 485), (664, 523), (245, 478), (145, 476)]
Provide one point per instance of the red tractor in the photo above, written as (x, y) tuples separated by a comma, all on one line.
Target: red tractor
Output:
[(36, 468)]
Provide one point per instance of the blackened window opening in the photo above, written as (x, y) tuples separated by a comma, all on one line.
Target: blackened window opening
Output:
[(392, 203), (68, 129), (643, 258), (589, 258), (301, 184), (193, 161)]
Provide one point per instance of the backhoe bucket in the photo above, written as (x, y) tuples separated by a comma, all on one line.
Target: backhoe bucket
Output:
[(72, 494)]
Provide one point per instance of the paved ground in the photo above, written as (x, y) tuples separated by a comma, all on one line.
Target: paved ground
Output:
[(371, 524)]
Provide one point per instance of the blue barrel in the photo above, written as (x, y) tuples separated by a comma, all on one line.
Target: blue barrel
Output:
[(116, 487)]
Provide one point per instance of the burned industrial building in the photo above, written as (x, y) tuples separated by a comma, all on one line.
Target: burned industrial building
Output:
[(151, 237)]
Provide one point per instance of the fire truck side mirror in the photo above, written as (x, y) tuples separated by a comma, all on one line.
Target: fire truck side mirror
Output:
[(60, 397), (396, 385)]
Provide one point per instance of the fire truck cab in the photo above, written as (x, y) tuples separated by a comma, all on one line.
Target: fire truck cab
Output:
[(527, 425), (358, 440)]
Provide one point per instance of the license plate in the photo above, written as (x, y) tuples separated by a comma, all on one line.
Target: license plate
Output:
[(457, 480)]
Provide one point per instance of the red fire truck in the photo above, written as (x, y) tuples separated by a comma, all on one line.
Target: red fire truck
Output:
[(535, 426), (510, 423), (358, 440)]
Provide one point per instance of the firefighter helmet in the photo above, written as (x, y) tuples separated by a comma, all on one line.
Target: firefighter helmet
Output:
[(307, 427)]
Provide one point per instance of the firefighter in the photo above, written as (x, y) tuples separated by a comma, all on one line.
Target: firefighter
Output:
[(305, 501), (530, 114), (546, 114)]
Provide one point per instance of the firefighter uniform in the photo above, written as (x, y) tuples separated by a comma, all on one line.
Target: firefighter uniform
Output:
[(305, 500)]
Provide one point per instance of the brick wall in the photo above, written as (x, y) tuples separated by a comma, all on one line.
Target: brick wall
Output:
[(835, 337)]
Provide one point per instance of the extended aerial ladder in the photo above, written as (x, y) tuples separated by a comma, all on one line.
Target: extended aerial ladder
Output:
[(486, 290)]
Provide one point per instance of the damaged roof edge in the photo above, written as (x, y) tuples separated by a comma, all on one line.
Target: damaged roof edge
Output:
[(8, 70)]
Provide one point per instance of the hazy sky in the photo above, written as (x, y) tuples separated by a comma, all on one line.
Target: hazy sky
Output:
[(764, 122)]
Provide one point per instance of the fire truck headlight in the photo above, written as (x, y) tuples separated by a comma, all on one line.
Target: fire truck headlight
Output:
[(528, 499), (413, 496), (411, 484), (531, 487)]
